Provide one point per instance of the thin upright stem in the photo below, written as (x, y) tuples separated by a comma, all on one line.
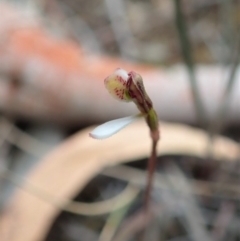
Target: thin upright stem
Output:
[(188, 59), (221, 115), (151, 169)]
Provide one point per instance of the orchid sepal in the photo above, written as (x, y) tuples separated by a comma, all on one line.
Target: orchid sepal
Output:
[(112, 127)]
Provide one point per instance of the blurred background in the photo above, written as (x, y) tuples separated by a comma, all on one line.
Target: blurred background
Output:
[(54, 55)]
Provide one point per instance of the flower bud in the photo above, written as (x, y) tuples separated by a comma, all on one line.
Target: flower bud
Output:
[(116, 84), (138, 93)]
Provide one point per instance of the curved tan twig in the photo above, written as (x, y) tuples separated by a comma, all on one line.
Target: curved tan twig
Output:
[(67, 169)]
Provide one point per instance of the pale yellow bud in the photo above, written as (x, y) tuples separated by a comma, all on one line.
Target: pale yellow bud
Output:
[(116, 84)]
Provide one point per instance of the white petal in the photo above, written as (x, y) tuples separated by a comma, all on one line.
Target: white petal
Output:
[(112, 127), (122, 73)]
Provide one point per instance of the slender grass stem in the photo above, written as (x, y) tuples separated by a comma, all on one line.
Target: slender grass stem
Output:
[(219, 119), (187, 55), (221, 114)]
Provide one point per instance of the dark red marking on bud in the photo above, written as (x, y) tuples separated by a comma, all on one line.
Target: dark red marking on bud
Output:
[(120, 79)]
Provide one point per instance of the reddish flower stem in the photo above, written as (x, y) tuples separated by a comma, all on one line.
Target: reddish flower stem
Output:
[(151, 169)]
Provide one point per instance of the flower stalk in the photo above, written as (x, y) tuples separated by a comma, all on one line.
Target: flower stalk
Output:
[(129, 87)]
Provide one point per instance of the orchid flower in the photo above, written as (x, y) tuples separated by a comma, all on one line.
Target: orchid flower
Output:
[(128, 87)]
